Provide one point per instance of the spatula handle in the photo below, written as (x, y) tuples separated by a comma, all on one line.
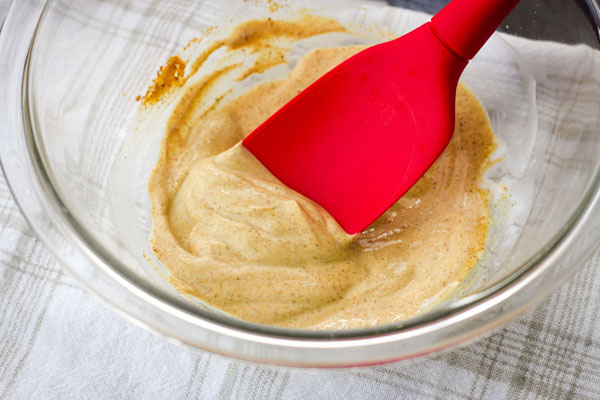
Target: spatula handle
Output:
[(465, 25)]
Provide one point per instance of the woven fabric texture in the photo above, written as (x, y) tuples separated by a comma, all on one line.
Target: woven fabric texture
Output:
[(57, 341)]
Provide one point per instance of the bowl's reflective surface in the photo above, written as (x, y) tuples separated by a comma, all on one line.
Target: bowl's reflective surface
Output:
[(72, 103)]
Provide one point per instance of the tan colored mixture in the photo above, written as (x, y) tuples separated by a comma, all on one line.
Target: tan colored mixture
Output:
[(234, 236)]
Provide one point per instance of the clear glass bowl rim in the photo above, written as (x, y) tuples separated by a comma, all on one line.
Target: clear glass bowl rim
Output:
[(65, 237)]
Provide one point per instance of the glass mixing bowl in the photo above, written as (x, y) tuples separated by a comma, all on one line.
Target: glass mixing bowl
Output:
[(70, 73)]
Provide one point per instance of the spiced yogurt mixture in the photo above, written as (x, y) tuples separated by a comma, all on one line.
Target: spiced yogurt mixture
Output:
[(235, 237)]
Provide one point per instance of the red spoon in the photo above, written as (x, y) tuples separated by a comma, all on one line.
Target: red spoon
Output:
[(363, 134)]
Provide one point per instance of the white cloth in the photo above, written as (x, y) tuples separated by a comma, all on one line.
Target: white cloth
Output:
[(58, 342)]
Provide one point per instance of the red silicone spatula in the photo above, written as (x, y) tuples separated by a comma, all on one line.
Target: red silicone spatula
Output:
[(362, 135)]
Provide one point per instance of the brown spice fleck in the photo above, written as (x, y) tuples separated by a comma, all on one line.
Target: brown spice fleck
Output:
[(170, 76)]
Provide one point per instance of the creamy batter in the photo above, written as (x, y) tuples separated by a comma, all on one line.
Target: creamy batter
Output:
[(234, 236)]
